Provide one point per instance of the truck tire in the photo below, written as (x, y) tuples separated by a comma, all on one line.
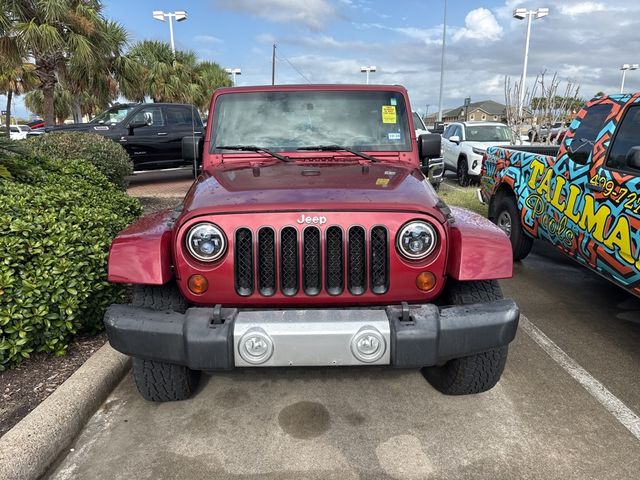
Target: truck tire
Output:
[(160, 381), (475, 373), (507, 219), (463, 173)]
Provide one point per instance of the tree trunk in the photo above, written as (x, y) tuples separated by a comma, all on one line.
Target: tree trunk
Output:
[(77, 110), (47, 108), (8, 117)]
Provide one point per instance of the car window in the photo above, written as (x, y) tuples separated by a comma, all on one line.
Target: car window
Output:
[(488, 133), (586, 132), (457, 131), (417, 122), (151, 115), (447, 131), (626, 142), (15, 129), (182, 116)]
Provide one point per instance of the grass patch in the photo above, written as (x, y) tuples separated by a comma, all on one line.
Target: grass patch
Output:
[(465, 197)]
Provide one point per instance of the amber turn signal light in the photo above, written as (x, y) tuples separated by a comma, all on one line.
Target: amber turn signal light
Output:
[(198, 284), (426, 281)]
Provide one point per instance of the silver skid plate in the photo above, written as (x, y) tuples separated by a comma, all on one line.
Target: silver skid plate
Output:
[(311, 338)]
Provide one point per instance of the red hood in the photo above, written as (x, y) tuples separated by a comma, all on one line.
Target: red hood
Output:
[(241, 187)]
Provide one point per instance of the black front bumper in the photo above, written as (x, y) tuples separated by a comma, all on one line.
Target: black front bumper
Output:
[(420, 335)]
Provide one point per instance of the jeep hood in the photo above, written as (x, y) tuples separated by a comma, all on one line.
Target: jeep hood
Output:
[(299, 186)]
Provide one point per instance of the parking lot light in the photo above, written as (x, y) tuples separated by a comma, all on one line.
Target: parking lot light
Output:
[(624, 68), (233, 72), (530, 15), (369, 69), (180, 16)]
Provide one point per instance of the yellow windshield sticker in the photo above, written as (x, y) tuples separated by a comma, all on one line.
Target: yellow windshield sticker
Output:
[(382, 182), (388, 114)]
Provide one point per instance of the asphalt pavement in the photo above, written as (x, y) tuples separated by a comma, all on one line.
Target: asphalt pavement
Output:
[(565, 408)]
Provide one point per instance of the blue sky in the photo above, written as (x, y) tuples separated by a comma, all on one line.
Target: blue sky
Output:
[(328, 40)]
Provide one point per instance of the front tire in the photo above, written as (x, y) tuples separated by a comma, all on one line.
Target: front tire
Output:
[(161, 381), (507, 219), (463, 173), (474, 373)]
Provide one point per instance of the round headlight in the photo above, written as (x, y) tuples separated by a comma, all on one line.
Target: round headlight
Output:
[(416, 240), (206, 242)]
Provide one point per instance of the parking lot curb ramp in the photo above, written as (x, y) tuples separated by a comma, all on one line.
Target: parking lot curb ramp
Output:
[(31, 446)]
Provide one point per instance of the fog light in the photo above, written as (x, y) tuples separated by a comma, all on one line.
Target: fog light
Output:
[(426, 281), (198, 284), (368, 345), (255, 346)]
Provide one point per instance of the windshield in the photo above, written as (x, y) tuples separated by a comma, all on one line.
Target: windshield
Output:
[(113, 115), (488, 133), (285, 121)]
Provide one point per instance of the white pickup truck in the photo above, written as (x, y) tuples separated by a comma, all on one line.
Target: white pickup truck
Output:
[(464, 143), (436, 175)]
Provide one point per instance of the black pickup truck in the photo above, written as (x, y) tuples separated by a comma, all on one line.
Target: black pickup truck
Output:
[(150, 132)]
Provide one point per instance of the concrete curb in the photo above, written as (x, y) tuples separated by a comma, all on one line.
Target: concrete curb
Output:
[(30, 447)]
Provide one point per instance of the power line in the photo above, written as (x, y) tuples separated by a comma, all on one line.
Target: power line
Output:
[(292, 66)]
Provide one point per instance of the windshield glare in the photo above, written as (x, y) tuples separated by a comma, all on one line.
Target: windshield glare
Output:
[(285, 121), (113, 115), (488, 133)]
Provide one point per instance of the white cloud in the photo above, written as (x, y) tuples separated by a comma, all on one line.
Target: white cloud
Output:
[(582, 8), (480, 24), (312, 13), (207, 39)]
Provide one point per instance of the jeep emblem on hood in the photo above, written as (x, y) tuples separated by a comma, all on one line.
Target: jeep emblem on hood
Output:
[(312, 220)]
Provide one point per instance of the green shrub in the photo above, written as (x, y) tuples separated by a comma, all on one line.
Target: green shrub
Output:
[(107, 156), (56, 224)]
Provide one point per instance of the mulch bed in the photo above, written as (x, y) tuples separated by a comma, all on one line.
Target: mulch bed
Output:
[(24, 387)]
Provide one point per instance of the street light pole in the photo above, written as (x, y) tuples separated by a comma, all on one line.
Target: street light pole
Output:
[(233, 72), (624, 68), (530, 15), (180, 16), (369, 69), (444, 38)]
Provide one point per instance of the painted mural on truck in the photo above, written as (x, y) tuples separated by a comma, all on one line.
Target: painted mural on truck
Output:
[(581, 201)]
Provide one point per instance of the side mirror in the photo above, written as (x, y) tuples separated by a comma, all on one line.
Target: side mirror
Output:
[(455, 139), (192, 151), (633, 158), (134, 125), (429, 146)]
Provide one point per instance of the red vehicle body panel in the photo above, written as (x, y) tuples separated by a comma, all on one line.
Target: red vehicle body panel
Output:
[(478, 250), (253, 190), (142, 253), (242, 187)]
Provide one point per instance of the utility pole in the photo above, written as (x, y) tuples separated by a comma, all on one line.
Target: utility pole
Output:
[(273, 65)]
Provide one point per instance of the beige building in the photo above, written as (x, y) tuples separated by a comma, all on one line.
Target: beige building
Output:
[(486, 111)]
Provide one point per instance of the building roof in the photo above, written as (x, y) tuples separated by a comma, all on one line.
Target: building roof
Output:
[(488, 106)]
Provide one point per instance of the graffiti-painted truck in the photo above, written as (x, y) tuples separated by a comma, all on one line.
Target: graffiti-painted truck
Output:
[(583, 196)]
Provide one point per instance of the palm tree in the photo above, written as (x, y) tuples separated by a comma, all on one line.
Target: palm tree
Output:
[(103, 75), (53, 33), (168, 78), (211, 76), (64, 102), (15, 79)]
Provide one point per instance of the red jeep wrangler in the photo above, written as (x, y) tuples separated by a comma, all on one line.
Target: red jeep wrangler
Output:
[(312, 238)]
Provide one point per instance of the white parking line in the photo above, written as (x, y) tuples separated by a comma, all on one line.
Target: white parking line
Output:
[(608, 400)]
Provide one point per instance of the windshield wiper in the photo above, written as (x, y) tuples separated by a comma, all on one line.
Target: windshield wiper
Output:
[(336, 148), (253, 148)]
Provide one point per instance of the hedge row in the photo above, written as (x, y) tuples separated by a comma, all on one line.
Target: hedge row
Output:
[(57, 219), (106, 155)]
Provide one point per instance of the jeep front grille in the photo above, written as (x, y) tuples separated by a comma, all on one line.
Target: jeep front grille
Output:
[(312, 260)]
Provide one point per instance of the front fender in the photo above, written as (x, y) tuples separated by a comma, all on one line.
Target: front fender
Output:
[(141, 254), (478, 250)]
